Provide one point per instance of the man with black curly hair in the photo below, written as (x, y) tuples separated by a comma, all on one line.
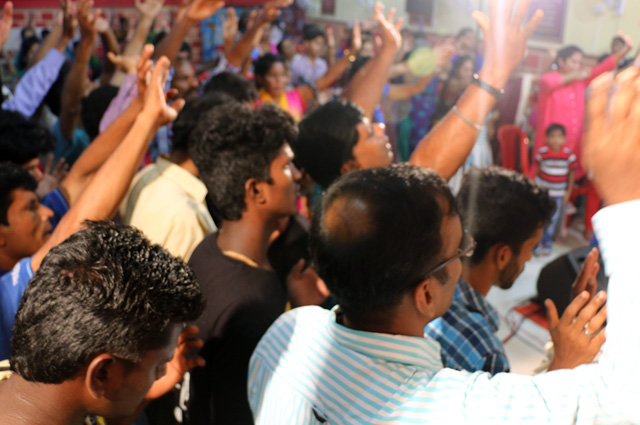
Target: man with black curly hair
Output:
[(245, 160), (97, 326)]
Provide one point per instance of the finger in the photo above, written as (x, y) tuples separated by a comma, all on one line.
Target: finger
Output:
[(170, 94), (47, 167), (624, 95), (161, 71), (586, 271), (574, 307), (399, 23), (533, 23), (597, 321), (482, 20), (116, 60), (597, 113), (7, 18), (633, 120), (592, 283), (322, 288), (177, 105), (521, 13), (590, 310), (552, 314), (391, 14)]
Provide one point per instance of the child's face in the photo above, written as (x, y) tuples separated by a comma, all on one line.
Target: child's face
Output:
[(555, 140)]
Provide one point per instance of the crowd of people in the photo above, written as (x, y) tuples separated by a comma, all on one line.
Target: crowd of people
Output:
[(299, 233)]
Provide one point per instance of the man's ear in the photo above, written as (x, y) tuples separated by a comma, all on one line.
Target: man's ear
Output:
[(502, 256), (253, 192), (424, 297), (104, 374), (350, 165)]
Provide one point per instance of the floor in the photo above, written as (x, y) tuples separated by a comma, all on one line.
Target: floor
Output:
[(527, 348)]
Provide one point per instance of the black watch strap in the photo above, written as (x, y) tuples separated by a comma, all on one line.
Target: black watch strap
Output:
[(497, 93)]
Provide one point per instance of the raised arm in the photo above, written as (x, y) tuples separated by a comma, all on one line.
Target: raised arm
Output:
[(104, 145), (6, 22), (196, 12), (148, 11), (446, 146), (74, 84), (103, 195), (367, 94), (108, 39)]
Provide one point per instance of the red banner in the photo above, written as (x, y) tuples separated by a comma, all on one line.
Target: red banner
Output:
[(48, 4)]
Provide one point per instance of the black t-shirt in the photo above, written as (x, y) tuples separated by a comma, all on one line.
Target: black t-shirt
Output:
[(242, 302)]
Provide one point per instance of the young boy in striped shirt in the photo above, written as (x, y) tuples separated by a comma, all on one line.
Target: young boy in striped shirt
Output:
[(556, 173)]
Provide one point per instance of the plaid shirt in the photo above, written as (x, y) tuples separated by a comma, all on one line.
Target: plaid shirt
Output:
[(466, 333)]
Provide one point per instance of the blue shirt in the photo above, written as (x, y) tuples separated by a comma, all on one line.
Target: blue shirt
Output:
[(12, 287), (14, 283), (309, 369), (466, 333)]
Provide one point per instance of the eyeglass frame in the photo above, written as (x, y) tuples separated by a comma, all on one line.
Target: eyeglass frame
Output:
[(462, 252)]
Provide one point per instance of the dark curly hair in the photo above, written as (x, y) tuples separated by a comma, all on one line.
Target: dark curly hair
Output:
[(326, 140), (12, 177), (106, 289), (21, 140), (232, 144), (235, 85), (502, 206), (377, 233)]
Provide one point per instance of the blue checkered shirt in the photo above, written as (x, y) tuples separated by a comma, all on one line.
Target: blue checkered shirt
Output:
[(466, 333)]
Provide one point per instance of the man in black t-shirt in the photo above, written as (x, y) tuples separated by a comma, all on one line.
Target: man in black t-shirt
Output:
[(254, 186)]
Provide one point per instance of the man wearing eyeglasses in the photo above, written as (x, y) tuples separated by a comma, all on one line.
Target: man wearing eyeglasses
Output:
[(505, 213)]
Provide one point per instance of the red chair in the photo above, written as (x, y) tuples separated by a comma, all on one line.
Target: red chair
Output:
[(514, 147)]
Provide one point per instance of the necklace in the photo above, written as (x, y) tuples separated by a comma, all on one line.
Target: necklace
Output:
[(240, 257)]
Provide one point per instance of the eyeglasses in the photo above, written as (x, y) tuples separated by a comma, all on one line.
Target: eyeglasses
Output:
[(467, 246)]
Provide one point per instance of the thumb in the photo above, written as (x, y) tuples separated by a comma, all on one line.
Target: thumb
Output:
[(552, 314), (115, 59), (482, 21)]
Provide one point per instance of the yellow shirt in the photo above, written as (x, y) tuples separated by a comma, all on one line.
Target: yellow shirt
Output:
[(168, 204)]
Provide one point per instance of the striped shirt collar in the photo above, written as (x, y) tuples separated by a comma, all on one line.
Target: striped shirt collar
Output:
[(409, 350), (476, 303)]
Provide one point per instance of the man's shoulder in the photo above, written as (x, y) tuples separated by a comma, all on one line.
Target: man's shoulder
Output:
[(18, 277), (305, 321)]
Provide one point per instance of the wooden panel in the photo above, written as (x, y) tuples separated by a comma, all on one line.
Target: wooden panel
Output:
[(552, 26)]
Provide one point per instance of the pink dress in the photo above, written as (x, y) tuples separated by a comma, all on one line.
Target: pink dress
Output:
[(565, 104)]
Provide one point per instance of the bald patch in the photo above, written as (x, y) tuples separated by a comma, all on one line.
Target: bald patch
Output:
[(347, 220)]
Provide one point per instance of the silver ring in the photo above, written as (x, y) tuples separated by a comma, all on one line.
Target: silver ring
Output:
[(586, 331)]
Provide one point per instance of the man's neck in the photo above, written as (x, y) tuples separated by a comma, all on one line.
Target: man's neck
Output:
[(248, 237), (183, 160), (7, 262), (402, 321), (311, 57), (27, 403), (480, 277)]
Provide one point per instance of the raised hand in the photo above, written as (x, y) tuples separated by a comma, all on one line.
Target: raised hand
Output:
[(52, 176), (505, 38), (271, 10), (587, 276), (102, 25), (126, 64), (155, 99), (6, 22), (391, 37), (305, 287), (230, 25), (180, 364), (612, 151), (444, 53), (69, 20), (356, 38), (150, 8), (199, 10), (87, 21), (579, 334)]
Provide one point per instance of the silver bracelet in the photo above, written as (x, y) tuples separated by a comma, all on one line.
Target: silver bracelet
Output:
[(467, 120)]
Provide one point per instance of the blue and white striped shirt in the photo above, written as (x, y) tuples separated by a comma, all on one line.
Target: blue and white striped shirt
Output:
[(466, 333), (308, 369)]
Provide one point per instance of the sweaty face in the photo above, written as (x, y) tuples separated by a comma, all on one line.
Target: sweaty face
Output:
[(555, 140), (571, 64), (373, 148), (284, 190), (276, 80), (28, 227), (516, 265), (184, 79)]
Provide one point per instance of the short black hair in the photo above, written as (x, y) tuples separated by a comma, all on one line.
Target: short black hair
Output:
[(190, 115), (22, 140), (567, 52), (264, 63), (233, 143), (233, 84), (106, 289), (555, 127), (53, 98), (463, 31), (280, 46), (502, 206), (377, 233), (27, 44), (12, 177), (326, 140), (94, 106), (311, 32)]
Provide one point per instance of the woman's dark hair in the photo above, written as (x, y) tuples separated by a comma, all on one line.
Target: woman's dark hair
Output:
[(567, 52), (459, 63), (23, 59), (264, 63)]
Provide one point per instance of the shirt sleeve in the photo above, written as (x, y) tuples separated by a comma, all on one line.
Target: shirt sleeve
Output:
[(550, 82), (128, 90), (609, 64), (35, 84), (12, 287)]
